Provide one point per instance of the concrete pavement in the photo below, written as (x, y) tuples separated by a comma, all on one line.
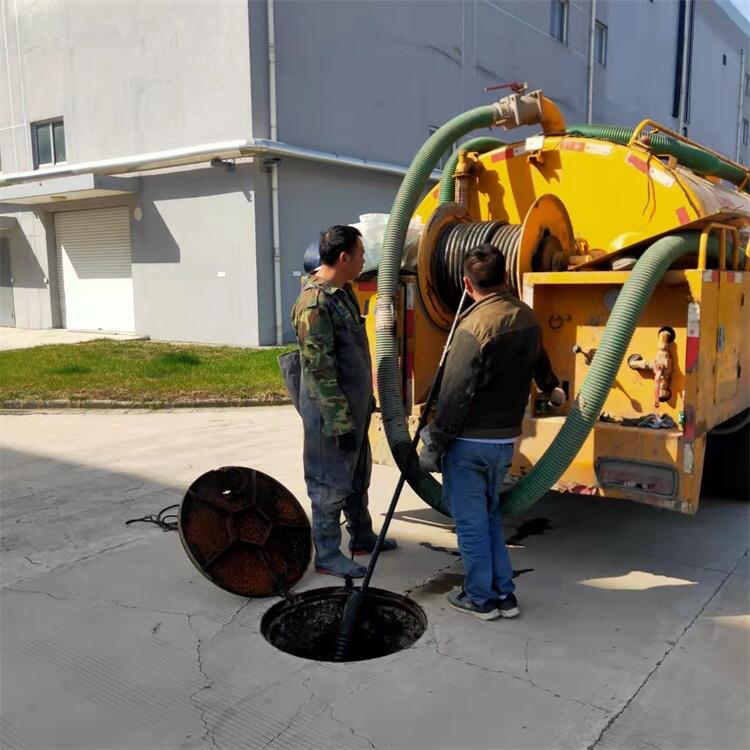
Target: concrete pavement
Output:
[(634, 630)]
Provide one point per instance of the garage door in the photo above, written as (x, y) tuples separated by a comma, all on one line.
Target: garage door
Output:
[(94, 269)]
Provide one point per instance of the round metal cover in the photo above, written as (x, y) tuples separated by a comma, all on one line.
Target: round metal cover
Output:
[(245, 531)]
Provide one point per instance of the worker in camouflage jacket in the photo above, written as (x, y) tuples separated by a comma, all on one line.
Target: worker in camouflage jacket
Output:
[(330, 382)]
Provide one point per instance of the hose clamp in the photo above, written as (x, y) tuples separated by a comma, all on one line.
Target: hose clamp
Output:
[(385, 313)]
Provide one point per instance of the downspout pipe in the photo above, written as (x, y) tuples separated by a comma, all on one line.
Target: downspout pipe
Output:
[(274, 167), (590, 82), (738, 148), (684, 77)]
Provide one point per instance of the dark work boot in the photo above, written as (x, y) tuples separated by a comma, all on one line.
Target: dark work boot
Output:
[(359, 526), (364, 546), (328, 557)]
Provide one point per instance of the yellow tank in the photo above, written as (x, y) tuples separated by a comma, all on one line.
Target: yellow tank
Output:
[(579, 209)]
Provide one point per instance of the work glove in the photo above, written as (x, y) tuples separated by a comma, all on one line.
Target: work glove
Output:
[(430, 455), (430, 459), (557, 397), (347, 441)]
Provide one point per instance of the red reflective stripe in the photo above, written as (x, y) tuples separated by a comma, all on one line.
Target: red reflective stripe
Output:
[(573, 146), (367, 286), (691, 353), (637, 163), (409, 321), (688, 429), (682, 215), (436, 192), (502, 155)]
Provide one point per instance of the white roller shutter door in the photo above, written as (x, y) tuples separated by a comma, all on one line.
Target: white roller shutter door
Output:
[(94, 269)]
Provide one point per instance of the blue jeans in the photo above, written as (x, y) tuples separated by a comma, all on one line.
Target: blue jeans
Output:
[(472, 475)]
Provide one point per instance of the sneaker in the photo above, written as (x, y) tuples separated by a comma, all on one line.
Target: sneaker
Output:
[(460, 601), (508, 606)]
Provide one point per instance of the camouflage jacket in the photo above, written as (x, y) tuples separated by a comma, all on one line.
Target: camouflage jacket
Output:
[(316, 317)]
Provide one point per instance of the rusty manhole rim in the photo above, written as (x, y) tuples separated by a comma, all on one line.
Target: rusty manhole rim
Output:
[(311, 597)]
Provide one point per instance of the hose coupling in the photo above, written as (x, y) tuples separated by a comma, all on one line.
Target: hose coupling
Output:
[(515, 110)]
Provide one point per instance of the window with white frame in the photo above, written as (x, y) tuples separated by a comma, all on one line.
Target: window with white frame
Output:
[(48, 143), (559, 28), (600, 43), (745, 127)]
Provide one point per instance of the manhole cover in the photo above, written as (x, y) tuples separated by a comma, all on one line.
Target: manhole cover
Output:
[(245, 531)]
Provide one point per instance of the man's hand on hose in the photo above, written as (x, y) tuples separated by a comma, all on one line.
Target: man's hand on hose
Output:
[(347, 441), (430, 455)]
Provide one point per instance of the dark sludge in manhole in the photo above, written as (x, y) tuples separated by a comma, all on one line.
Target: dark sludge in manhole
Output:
[(307, 625)]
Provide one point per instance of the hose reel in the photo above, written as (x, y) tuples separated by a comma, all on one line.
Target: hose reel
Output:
[(543, 242)]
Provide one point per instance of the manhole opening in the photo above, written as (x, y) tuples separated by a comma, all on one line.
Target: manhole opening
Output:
[(308, 625)]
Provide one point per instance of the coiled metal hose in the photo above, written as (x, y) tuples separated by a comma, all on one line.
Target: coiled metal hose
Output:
[(456, 240)]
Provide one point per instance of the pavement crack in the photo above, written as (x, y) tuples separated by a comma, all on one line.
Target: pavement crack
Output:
[(526, 657), (527, 680), (208, 735), (346, 726), (67, 563), (672, 646), (94, 601), (306, 685), (236, 614)]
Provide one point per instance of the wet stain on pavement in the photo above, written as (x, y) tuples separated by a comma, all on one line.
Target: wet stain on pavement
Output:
[(532, 527), (435, 548), (445, 582), (441, 584)]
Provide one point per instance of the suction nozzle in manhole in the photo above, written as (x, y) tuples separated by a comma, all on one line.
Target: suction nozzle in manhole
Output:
[(308, 624)]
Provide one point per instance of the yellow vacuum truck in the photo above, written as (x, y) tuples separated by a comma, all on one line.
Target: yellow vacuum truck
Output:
[(631, 246)]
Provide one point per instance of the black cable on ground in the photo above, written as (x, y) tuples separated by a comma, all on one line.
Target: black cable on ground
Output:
[(165, 519)]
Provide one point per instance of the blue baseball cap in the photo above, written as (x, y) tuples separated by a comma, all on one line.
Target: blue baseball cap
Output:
[(311, 259)]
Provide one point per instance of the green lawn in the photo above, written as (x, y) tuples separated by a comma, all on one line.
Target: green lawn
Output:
[(139, 371)]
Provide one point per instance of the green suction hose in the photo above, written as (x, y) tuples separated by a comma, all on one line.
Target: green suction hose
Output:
[(387, 344), (689, 156), (483, 144)]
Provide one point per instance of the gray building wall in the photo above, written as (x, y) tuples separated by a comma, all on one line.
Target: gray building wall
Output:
[(364, 78), (32, 270), (127, 77), (715, 86), (316, 198), (194, 270)]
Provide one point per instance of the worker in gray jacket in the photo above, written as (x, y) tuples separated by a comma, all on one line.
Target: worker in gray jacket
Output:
[(496, 352)]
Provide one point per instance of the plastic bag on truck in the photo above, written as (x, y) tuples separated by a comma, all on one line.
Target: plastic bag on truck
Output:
[(372, 227)]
